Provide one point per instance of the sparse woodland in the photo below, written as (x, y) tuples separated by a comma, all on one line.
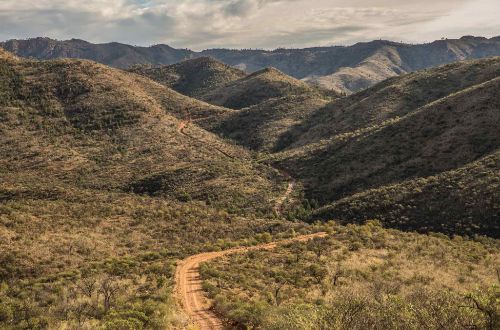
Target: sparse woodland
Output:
[(109, 178)]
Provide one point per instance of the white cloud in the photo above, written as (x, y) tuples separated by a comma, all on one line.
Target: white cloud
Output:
[(247, 23)]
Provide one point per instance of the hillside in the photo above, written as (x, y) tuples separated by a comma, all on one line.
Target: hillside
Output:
[(391, 99), (342, 68), (261, 126), (116, 186), (449, 202), (191, 77), (385, 138), (102, 184), (258, 87), (61, 108)]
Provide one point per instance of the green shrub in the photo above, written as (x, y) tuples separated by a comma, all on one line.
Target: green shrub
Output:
[(6, 313)]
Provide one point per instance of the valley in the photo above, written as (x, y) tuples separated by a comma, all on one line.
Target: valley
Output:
[(181, 192)]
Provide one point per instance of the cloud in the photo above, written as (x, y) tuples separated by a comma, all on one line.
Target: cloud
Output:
[(202, 24)]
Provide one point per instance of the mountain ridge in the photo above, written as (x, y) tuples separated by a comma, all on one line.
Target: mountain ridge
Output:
[(341, 68)]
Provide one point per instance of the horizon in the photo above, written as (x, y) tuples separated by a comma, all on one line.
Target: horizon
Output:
[(258, 49), (248, 24)]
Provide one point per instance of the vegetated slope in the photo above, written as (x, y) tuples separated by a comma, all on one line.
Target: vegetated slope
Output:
[(345, 69), (261, 126), (443, 135), (436, 136), (360, 277), (258, 87), (130, 122), (390, 100), (193, 77), (465, 200), (99, 193)]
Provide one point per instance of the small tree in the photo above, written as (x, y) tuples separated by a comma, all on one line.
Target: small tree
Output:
[(336, 273), (317, 272), (87, 286), (487, 304), (279, 283), (318, 245), (108, 288)]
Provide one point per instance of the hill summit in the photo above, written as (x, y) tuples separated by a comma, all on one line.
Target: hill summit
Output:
[(257, 87), (193, 77)]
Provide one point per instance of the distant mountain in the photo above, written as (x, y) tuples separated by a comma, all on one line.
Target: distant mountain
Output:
[(113, 54), (344, 69), (193, 77)]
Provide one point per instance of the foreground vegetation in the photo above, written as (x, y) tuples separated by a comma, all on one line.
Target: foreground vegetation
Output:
[(89, 259), (361, 277)]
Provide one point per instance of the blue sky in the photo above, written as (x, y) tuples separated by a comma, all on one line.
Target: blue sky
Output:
[(200, 24)]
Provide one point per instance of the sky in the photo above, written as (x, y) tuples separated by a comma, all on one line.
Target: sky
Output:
[(268, 24)]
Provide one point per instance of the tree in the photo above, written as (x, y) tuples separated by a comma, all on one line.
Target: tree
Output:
[(317, 272), (279, 283), (87, 286), (108, 288), (336, 273), (318, 245), (487, 304), (297, 249)]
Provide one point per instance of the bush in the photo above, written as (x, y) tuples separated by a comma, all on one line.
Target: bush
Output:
[(120, 324), (5, 313)]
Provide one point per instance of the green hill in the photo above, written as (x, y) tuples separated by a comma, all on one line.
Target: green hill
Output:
[(391, 99), (258, 87), (432, 131), (260, 126), (101, 128), (462, 201), (193, 77)]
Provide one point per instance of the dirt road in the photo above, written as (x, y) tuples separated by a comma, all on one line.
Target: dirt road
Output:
[(188, 283)]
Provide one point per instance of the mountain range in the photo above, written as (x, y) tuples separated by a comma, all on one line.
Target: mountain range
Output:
[(345, 69)]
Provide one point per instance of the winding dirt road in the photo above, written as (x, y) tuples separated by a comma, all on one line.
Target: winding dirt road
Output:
[(188, 289)]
